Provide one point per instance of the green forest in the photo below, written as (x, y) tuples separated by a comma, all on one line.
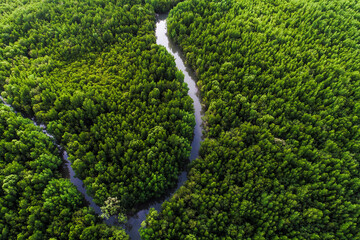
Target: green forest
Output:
[(281, 85), (35, 201), (91, 71)]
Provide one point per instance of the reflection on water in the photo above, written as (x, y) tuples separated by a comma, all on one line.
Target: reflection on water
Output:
[(134, 222), (163, 39)]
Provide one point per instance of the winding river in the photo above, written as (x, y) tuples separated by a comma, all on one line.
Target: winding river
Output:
[(134, 221)]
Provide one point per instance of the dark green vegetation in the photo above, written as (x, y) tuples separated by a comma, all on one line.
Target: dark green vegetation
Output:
[(163, 6), (281, 84), (91, 71), (35, 202)]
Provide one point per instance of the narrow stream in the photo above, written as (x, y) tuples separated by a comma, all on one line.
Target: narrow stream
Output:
[(69, 172), (134, 222)]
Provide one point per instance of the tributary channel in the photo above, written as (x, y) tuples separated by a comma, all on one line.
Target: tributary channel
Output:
[(134, 221)]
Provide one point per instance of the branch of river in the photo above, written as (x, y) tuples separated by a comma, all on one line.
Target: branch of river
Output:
[(134, 220), (162, 38)]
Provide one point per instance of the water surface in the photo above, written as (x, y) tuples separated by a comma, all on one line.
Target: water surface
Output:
[(134, 222), (162, 38)]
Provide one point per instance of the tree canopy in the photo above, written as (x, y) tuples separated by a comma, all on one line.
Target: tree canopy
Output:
[(91, 71), (35, 201), (281, 85)]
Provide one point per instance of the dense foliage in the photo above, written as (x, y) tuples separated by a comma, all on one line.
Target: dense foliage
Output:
[(163, 6), (281, 84), (91, 71), (35, 202)]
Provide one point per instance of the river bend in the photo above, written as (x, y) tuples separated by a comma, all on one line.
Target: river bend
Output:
[(134, 222)]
